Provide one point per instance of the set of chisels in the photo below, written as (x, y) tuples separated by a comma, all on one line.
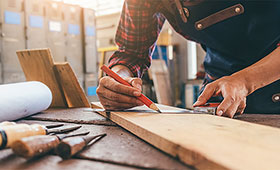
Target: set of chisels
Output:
[(30, 141)]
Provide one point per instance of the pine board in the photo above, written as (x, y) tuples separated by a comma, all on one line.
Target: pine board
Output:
[(206, 141), (74, 94), (38, 65)]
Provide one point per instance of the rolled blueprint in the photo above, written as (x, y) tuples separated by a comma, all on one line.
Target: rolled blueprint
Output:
[(23, 99)]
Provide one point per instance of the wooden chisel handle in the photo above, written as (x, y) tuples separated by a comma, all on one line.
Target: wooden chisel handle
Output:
[(6, 123), (70, 146), (12, 133), (33, 146)]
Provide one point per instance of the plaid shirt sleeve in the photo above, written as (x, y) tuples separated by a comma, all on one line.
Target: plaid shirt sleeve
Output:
[(138, 29)]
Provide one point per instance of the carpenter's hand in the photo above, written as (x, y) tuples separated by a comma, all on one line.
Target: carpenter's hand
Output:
[(234, 92), (115, 96)]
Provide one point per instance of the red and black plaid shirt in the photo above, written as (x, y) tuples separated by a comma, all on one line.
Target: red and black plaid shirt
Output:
[(140, 24)]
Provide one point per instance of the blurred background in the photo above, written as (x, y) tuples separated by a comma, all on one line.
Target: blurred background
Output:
[(82, 32)]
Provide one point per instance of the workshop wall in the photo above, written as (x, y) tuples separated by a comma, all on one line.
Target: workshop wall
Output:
[(68, 30)]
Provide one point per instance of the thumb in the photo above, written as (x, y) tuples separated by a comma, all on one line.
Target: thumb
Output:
[(135, 82)]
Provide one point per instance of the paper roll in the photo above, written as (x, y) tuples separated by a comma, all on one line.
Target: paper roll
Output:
[(23, 99)]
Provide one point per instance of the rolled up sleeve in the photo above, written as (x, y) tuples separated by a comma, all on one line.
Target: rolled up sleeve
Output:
[(138, 30)]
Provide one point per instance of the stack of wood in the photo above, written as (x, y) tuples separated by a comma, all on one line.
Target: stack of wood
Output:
[(38, 65)]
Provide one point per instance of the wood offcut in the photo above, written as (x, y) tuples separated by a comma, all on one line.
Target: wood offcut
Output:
[(38, 65), (72, 89)]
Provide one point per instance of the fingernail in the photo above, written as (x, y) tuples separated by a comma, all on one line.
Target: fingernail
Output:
[(220, 113), (196, 103), (136, 93), (139, 86)]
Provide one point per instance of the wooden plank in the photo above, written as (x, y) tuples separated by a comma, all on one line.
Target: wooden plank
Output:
[(38, 65), (160, 76), (73, 92), (206, 141)]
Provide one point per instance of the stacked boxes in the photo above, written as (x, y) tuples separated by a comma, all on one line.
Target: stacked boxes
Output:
[(56, 30), (35, 24), (90, 50), (12, 39), (89, 41), (74, 43), (68, 30)]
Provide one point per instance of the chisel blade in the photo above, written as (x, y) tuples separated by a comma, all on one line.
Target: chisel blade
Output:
[(63, 130), (54, 125), (62, 136)]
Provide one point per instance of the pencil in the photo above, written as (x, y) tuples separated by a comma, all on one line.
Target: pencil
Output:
[(142, 98)]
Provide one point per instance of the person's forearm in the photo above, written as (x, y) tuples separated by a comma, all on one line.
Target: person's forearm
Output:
[(122, 70), (262, 73)]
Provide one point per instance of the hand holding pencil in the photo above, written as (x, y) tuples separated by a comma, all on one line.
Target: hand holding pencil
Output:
[(116, 93)]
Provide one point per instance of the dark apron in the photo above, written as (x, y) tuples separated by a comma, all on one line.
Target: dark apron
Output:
[(237, 42)]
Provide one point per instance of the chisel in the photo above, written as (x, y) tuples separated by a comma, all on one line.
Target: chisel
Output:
[(9, 134), (70, 146), (33, 146)]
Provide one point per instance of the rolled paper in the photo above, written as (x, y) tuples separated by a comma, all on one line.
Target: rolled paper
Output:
[(20, 100)]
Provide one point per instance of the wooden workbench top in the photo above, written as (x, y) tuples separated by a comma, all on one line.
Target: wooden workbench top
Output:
[(118, 150)]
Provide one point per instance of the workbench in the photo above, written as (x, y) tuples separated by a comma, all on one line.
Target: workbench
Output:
[(118, 150)]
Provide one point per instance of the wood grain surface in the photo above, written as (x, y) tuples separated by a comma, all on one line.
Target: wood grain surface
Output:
[(73, 92), (206, 141), (38, 65)]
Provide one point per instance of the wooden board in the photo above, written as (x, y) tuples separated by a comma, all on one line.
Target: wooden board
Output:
[(38, 65), (160, 75), (206, 141), (73, 92)]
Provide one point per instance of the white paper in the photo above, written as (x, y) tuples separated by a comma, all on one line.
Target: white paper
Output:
[(23, 99), (55, 26)]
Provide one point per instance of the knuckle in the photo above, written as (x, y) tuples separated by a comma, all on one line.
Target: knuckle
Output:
[(99, 90), (128, 91), (117, 86), (231, 99), (208, 86), (103, 80), (138, 80), (114, 97), (133, 100)]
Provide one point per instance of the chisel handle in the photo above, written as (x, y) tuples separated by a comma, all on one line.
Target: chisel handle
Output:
[(30, 147), (12, 133), (71, 146), (6, 123)]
